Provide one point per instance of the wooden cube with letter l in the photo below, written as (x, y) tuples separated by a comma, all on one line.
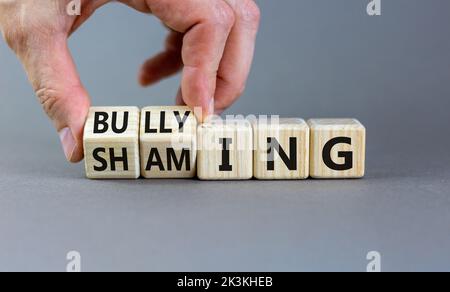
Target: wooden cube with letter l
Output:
[(338, 148), (225, 150), (168, 142), (281, 149), (111, 143)]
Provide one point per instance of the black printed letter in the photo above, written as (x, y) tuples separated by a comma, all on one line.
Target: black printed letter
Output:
[(149, 130), (181, 121), (158, 162), (172, 156), (225, 142), (115, 159), (96, 155), (348, 156), (100, 119), (162, 124), (290, 161), (114, 123)]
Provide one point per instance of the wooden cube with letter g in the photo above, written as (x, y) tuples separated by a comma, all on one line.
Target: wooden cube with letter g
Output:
[(338, 148)]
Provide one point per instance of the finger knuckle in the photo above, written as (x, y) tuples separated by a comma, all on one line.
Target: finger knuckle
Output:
[(22, 38), (250, 12), (48, 98), (22, 35), (15, 38), (223, 16)]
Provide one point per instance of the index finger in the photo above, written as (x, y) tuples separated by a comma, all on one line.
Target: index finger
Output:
[(207, 25)]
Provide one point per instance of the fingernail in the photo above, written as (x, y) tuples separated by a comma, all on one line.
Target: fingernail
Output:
[(198, 112), (68, 142), (207, 110), (211, 107)]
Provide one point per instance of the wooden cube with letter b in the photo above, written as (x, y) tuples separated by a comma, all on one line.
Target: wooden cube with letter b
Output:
[(225, 150), (337, 148), (168, 142), (281, 149), (111, 143)]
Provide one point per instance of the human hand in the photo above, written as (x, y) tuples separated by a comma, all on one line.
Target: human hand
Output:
[(211, 41)]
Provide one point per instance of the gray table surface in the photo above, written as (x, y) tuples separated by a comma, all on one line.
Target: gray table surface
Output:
[(314, 59), (47, 208)]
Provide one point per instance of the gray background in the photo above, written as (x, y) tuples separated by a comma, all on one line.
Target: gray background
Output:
[(314, 58)]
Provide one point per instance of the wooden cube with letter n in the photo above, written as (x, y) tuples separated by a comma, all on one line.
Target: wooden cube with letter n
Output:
[(337, 148), (225, 150), (111, 143), (281, 149), (168, 142)]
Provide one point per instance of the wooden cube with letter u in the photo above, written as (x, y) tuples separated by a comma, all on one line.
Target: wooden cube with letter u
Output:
[(168, 142), (337, 148), (111, 143), (281, 149), (225, 150)]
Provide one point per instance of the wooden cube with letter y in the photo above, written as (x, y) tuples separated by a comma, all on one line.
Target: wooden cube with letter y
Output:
[(225, 150), (281, 149), (337, 148), (168, 142), (111, 143)]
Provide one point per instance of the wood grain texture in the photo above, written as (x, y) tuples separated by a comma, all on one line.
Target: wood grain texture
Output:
[(337, 148), (168, 142), (107, 140), (281, 149), (236, 162)]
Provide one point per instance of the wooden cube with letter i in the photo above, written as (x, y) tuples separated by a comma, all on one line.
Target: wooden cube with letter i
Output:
[(168, 142), (338, 148), (111, 143), (281, 149), (225, 150)]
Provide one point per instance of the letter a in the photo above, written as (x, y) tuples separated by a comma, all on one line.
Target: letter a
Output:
[(374, 8), (74, 8)]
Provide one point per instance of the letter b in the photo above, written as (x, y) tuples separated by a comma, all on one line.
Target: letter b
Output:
[(101, 125)]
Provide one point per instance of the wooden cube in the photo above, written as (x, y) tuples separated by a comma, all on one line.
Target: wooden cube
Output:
[(168, 142), (225, 150), (111, 143), (281, 149), (337, 148)]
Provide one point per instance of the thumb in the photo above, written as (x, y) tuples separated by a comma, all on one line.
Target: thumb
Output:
[(54, 77)]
